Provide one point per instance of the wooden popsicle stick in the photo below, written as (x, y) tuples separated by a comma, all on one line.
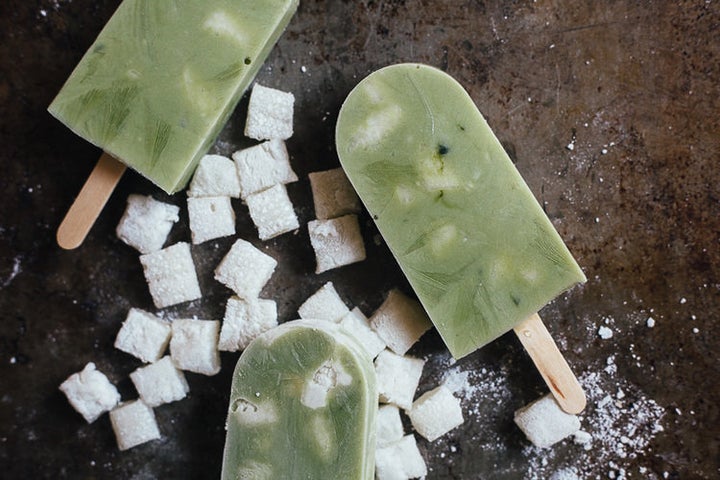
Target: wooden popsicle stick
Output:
[(551, 364), (90, 201)]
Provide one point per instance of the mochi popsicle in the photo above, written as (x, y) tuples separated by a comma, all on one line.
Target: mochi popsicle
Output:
[(156, 87), (303, 404), (465, 228)]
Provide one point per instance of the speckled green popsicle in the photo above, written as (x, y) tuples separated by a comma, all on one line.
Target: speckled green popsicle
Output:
[(465, 228), (303, 405)]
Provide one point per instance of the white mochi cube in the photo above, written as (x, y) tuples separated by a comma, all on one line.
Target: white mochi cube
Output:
[(400, 321), (245, 269), (170, 274), (160, 382), (143, 335), (262, 166), (215, 176), (210, 218), (333, 195), (146, 223), (435, 413), (270, 114), (90, 392), (397, 378), (389, 425), (194, 345), (544, 423), (400, 460), (244, 320), (336, 242), (358, 325), (134, 424), (272, 212), (324, 304)]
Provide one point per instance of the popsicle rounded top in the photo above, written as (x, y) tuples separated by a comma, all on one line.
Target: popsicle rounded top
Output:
[(464, 226)]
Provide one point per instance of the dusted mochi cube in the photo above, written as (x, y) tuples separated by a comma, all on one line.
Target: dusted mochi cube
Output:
[(194, 345), (272, 212), (389, 425), (210, 218), (146, 223), (358, 325), (400, 460), (90, 392), (398, 378), (270, 114), (333, 195), (160, 382), (245, 269), (170, 274), (435, 413), (263, 166), (336, 242), (244, 320), (143, 335), (325, 304), (544, 423), (215, 176), (134, 424), (400, 321)]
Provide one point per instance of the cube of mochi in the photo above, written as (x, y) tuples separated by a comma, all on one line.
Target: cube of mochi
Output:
[(398, 377), (324, 304), (245, 269), (143, 335), (400, 321), (146, 223), (270, 114), (244, 320), (170, 274), (333, 195), (544, 423), (194, 345), (262, 166), (336, 242), (134, 424), (90, 392), (215, 176), (210, 218), (272, 212), (160, 382), (435, 413), (389, 425), (358, 325), (400, 460)]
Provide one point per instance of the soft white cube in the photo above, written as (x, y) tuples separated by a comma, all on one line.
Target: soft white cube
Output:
[(336, 242), (90, 392), (397, 378), (435, 413), (170, 275), (143, 335), (400, 460), (400, 321), (270, 114), (210, 218), (272, 212), (389, 425), (324, 304), (358, 325), (245, 269), (134, 424), (146, 223), (194, 345), (160, 382), (215, 176), (544, 423), (244, 320), (333, 194), (262, 166)]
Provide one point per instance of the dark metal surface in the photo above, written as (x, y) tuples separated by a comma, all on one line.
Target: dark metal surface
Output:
[(610, 110)]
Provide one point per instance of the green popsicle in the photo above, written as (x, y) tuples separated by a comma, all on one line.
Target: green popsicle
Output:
[(303, 404)]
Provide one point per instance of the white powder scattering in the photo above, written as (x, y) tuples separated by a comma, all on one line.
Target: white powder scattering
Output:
[(16, 270), (605, 332), (650, 322)]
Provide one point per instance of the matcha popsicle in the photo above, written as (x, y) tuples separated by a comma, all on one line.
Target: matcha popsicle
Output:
[(465, 228), (303, 404), (160, 81)]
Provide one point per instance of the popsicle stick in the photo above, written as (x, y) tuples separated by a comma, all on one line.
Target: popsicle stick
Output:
[(551, 364), (90, 201)]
